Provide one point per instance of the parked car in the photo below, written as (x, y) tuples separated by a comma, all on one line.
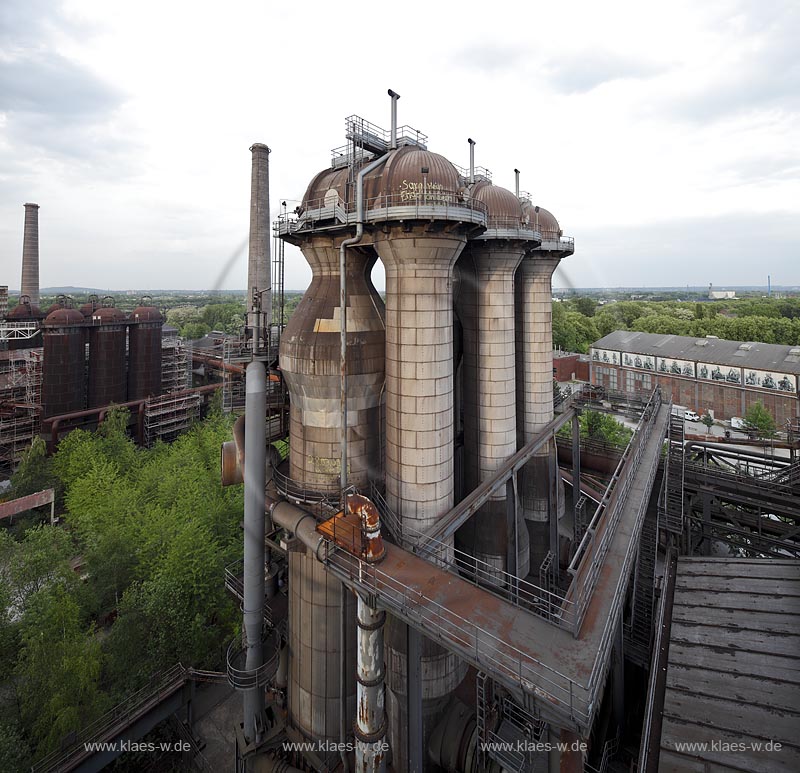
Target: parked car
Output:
[(691, 416)]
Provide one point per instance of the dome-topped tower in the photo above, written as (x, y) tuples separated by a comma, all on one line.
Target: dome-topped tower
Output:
[(534, 362), (486, 310)]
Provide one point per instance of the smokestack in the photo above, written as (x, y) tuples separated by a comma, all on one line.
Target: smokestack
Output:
[(471, 160), (516, 178), (30, 254), (259, 263), (395, 96)]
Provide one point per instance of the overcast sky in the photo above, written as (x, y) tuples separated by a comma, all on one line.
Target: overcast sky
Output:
[(665, 137)]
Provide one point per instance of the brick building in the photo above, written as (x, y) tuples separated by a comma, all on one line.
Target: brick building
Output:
[(725, 377)]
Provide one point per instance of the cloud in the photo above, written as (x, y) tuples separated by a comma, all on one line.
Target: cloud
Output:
[(726, 250), (579, 73), (49, 84), (760, 72), (492, 59)]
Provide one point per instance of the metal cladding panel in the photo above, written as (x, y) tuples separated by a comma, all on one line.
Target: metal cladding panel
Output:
[(402, 176), (107, 378), (327, 179), (310, 362), (63, 377), (144, 353), (545, 223), (501, 204), (315, 648)]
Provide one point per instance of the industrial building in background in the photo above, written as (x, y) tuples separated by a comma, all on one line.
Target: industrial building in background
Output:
[(707, 375), (64, 367)]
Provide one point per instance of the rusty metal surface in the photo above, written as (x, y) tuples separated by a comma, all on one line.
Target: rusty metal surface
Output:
[(20, 505), (403, 175), (563, 673)]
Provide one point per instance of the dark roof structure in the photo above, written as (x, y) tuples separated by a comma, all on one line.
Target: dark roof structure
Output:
[(732, 700), (739, 354)]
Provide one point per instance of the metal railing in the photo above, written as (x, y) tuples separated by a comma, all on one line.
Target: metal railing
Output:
[(319, 494), (484, 649), (248, 679), (121, 716), (548, 604), (609, 511)]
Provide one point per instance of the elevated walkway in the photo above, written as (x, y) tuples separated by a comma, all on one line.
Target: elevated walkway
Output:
[(557, 671)]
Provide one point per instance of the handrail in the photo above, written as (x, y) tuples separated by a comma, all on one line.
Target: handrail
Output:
[(517, 667), (608, 512), (166, 682)]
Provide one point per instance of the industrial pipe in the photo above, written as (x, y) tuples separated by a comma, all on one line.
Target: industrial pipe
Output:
[(254, 502), (371, 723), (353, 240), (302, 524), (55, 421), (471, 160), (516, 178), (395, 96)]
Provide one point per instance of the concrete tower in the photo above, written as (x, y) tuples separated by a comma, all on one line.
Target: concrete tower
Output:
[(259, 269), (310, 362), (534, 350), (30, 254), (424, 220), (486, 308)]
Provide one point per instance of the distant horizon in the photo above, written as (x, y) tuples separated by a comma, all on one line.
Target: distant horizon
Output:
[(619, 288)]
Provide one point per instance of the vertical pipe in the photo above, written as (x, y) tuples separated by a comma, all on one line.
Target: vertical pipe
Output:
[(576, 476), (471, 160), (370, 725), (343, 313), (30, 254), (395, 96), (343, 678), (516, 178), (255, 440)]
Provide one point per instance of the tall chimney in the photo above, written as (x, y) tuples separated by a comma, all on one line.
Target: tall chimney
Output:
[(30, 254), (259, 267)]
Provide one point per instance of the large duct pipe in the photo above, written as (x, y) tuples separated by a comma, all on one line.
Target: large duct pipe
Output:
[(343, 308), (395, 96), (254, 501), (30, 254), (259, 283)]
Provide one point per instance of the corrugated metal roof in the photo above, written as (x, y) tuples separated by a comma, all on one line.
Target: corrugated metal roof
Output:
[(732, 672), (774, 357)]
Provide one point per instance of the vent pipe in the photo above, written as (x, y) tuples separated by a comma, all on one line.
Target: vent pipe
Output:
[(255, 461), (259, 286), (471, 160), (516, 178), (30, 254), (395, 96)]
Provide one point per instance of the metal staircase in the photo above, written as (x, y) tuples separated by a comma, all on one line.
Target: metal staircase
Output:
[(673, 500)]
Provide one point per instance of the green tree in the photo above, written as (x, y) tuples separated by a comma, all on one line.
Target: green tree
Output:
[(603, 428), (585, 305), (708, 421), (39, 561), (58, 669), (758, 419), (14, 752), (35, 470), (194, 330)]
